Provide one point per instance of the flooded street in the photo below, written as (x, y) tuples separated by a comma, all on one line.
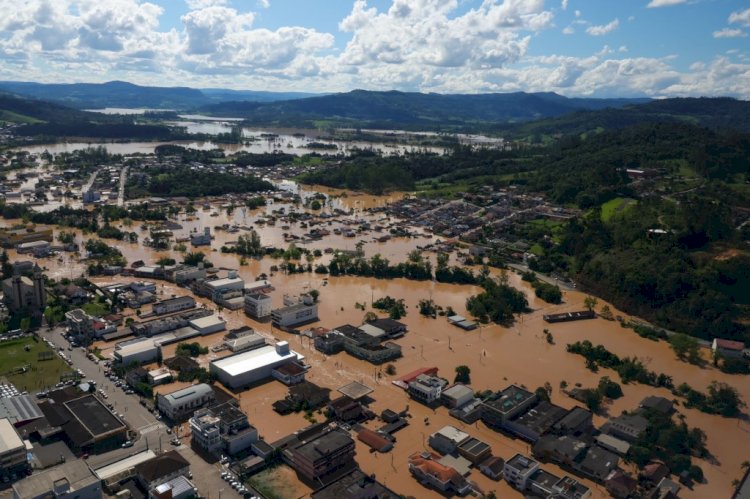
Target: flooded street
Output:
[(497, 356)]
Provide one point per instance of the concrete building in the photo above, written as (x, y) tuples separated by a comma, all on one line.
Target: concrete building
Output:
[(447, 439), (70, 480), (218, 287), (187, 273), (324, 454), (295, 312), (258, 305), (37, 248), (181, 404), (626, 427), (249, 367), (209, 324), (159, 376), (502, 406), (222, 429), (139, 350), (173, 305), (244, 340), (21, 292), (728, 348), (427, 389), (457, 396), (518, 470), (12, 449), (355, 485), (201, 239)]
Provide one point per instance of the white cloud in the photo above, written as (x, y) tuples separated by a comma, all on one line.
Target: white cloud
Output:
[(729, 33), (653, 4), (564, 5), (741, 17), (202, 4), (623, 49), (568, 30), (603, 29), (264, 4), (578, 13)]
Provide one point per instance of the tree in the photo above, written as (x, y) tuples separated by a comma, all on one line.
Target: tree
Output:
[(463, 374), (590, 302), (390, 370), (593, 400), (315, 294), (685, 347), (369, 317), (606, 313), (609, 388), (542, 394)]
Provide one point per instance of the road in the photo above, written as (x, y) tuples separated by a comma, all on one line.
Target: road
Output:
[(551, 280), (90, 183), (123, 179), (152, 433)]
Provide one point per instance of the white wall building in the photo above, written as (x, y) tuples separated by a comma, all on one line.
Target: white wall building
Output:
[(173, 305), (139, 350), (252, 366), (295, 312), (70, 480), (182, 403), (258, 305)]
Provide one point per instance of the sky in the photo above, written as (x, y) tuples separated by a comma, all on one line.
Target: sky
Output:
[(597, 48)]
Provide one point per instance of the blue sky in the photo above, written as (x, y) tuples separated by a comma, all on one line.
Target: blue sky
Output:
[(600, 48)]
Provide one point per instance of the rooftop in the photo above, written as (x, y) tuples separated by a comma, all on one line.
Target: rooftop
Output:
[(243, 362), (474, 446), (541, 418), (160, 466), (76, 473), (508, 399), (93, 415), (9, 439), (193, 391), (355, 485), (355, 390), (208, 321), (521, 463), (19, 408), (457, 391), (452, 433), (228, 281), (324, 444)]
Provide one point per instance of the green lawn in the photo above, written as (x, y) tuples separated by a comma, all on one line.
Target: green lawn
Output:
[(613, 206), (39, 373), (96, 309)]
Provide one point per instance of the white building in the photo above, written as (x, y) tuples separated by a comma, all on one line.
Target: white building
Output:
[(173, 305), (518, 469), (204, 239), (159, 376), (245, 342), (12, 449), (140, 350), (182, 403), (222, 429), (447, 439), (186, 273), (426, 389), (70, 480), (245, 368), (258, 305), (176, 488), (218, 287), (295, 312), (207, 325), (261, 286)]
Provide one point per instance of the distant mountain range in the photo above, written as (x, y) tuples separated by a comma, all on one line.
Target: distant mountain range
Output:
[(411, 109), (127, 95)]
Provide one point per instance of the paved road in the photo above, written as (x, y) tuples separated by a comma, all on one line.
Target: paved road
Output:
[(123, 179), (90, 183), (153, 433), (551, 280)]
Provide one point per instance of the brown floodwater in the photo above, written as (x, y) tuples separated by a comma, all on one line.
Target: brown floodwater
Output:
[(497, 355)]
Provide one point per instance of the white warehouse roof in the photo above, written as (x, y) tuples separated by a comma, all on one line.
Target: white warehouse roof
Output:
[(249, 361)]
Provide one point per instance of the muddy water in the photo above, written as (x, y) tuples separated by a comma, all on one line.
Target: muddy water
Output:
[(497, 356)]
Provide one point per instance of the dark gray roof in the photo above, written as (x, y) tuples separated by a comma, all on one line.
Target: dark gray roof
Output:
[(541, 418), (19, 409), (355, 485), (574, 418), (660, 404)]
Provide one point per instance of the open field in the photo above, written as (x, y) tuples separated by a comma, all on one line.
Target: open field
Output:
[(614, 206), (24, 352)]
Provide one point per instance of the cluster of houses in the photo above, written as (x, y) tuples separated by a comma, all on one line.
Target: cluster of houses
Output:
[(370, 341)]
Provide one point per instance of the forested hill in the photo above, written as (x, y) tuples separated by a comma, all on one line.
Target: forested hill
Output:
[(411, 109), (18, 110), (715, 113), (122, 94), (39, 118)]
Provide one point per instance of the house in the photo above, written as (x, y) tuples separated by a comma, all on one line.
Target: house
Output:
[(391, 328), (258, 305), (204, 239), (345, 409), (727, 348), (474, 450), (564, 450), (620, 485), (660, 404), (613, 444), (176, 488), (627, 427), (518, 469), (654, 472), (576, 422), (541, 483), (536, 421), (355, 485), (12, 449), (492, 467), (427, 389), (172, 305), (426, 468), (374, 440), (161, 468), (598, 463)]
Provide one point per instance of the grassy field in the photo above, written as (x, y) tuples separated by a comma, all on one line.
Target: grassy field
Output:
[(273, 484), (616, 205), (24, 352)]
